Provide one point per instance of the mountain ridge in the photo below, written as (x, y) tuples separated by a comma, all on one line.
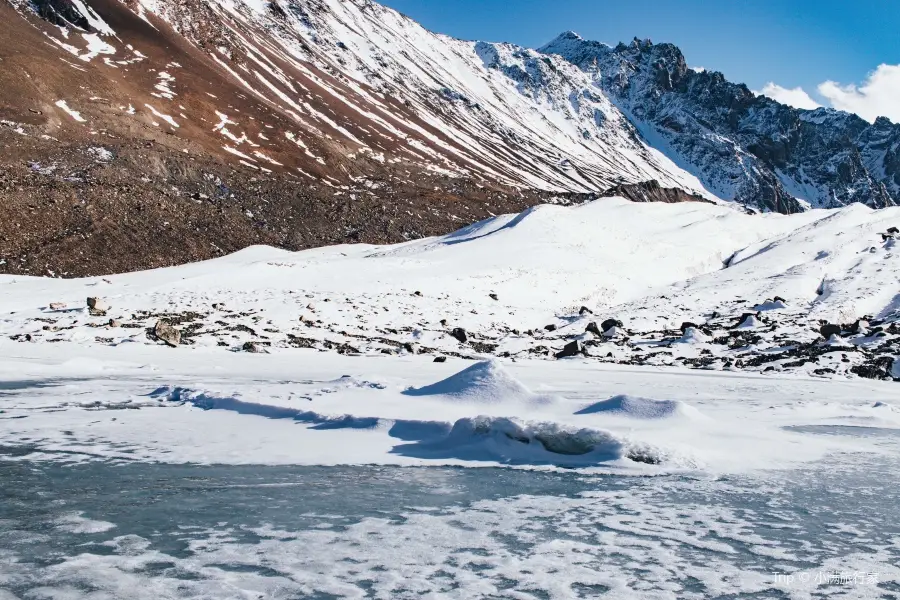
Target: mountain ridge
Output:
[(775, 156)]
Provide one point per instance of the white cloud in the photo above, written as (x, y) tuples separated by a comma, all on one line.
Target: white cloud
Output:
[(795, 97), (878, 96)]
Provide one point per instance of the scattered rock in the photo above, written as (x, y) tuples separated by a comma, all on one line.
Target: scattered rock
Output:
[(571, 349), (165, 332), (460, 334)]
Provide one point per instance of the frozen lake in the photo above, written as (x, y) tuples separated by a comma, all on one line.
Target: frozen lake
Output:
[(108, 530)]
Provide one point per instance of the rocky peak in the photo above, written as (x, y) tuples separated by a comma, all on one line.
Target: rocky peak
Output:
[(742, 147)]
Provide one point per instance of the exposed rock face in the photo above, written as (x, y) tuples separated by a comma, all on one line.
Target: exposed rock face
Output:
[(741, 146), (651, 191)]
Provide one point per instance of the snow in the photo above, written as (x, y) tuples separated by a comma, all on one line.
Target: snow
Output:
[(332, 384), (72, 113)]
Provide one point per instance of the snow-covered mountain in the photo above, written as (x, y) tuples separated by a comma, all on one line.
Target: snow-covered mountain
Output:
[(743, 147)]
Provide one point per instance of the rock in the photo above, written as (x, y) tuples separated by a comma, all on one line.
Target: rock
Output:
[(571, 349), (440, 359), (417, 293), (311, 307), (550, 327), (167, 333), (57, 306), (592, 328), (893, 230), (860, 326), (114, 323), (443, 322), (611, 332), (609, 324), (779, 299), (494, 296), (97, 304), (253, 347), (460, 334), (411, 347), (829, 330), (747, 320), (687, 325), (584, 310)]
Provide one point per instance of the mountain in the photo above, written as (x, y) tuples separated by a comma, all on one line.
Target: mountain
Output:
[(146, 133), (181, 131), (743, 147)]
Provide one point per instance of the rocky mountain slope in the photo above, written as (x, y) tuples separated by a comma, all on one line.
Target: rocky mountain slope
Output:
[(141, 133), (743, 147)]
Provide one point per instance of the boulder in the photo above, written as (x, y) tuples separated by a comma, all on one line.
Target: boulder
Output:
[(592, 328), (97, 307), (115, 323), (609, 324), (585, 311), (893, 230), (829, 330), (550, 327), (253, 347), (460, 334), (167, 333), (57, 306), (411, 347), (571, 349), (440, 359), (494, 296), (688, 325)]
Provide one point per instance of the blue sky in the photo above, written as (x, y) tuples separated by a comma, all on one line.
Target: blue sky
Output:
[(794, 43)]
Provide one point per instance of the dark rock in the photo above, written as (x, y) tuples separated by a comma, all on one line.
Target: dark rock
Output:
[(687, 325), (585, 311), (443, 322), (460, 334), (114, 323), (440, 359), (253, 347), (57, 306), (609, 324), (494, 296), (829, 330), (411, 347), (571, 349), (592, 328), (550, 327), (893, 230)]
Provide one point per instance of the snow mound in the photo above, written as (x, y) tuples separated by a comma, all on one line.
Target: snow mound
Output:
[(486, 382), (510, 441), (692, 335), (640, 408)]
